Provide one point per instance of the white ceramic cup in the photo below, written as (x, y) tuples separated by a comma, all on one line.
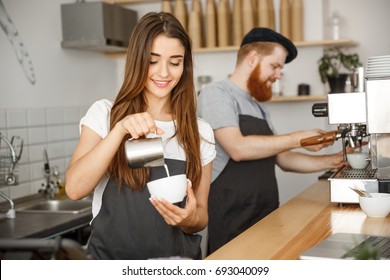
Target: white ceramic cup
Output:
[(172, 188), (377, 206), (358, 160)]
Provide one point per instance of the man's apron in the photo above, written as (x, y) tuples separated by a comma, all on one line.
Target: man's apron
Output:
[(243, 193)]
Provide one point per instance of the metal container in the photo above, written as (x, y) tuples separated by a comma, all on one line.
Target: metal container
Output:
[(346, 178), (145, 152)]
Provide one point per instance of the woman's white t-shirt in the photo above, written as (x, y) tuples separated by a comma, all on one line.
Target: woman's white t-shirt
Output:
[(98, 119)]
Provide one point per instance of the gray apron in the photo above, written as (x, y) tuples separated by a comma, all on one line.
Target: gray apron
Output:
[(243, 193), (128, 227)]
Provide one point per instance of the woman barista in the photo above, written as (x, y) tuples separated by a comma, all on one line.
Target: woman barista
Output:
[(157, 95)]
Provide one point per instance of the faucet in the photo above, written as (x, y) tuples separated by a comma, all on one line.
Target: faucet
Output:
[(11, 212), (49, 188)]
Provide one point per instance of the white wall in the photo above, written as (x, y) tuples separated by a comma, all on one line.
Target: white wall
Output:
[(67, 78), (64, 77)]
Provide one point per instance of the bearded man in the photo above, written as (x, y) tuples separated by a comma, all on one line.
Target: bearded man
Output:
[(244, 188)]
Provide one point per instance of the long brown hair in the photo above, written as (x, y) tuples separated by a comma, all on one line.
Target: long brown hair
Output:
[(131, 99)]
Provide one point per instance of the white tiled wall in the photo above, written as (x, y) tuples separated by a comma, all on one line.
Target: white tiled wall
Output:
[(53, 129)]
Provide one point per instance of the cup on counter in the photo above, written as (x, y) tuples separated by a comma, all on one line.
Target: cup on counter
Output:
[(358, 160), (377, 206), (171, 188)]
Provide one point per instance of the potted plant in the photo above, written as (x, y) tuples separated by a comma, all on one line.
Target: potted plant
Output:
[(335, 66), (364, 251)]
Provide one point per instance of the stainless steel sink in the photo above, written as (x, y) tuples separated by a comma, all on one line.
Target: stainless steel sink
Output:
[(58, 206)]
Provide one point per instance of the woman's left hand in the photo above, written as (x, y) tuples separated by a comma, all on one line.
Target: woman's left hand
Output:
[(176, 216)]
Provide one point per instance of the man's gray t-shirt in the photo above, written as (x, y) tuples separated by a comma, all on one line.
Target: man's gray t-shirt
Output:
[(220, 104)]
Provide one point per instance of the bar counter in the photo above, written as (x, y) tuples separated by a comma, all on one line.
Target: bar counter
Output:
[(299, 224)]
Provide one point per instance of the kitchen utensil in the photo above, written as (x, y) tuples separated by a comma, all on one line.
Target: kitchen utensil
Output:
[(15, 155), (144, 152), (46, 164), (361, 192), (319, 139)]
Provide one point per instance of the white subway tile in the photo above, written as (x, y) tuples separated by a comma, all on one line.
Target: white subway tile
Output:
[(60, 163), (36, 185), (37, 135), (56, 150), (36, 153), (70, 146), (53, 129), (20, 190), (3, 119), (24, 157), (5, 190), (71, 131), (55, 133), (67, 160), (82, 111), (16, 118), (36, 117), (54, 116), (37, 171), (71, 115), (21, 132), (23, 172)]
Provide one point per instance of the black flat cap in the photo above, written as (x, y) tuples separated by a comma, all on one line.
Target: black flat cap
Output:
[(261, 34)]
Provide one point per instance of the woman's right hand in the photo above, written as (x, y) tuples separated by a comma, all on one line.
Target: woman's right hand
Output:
[(138, 125), (82, 176)]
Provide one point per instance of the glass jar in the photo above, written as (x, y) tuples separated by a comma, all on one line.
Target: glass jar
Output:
[(202, 81), (335, 27)]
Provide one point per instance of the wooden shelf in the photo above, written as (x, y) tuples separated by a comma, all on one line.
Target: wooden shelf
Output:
[(298, 98), (131, 1), (324, 43)]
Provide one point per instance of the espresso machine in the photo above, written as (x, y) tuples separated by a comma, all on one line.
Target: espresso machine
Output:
[(362, 115)]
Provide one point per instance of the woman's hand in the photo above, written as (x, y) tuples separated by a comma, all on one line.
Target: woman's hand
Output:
[(176, 216), (138, 125)]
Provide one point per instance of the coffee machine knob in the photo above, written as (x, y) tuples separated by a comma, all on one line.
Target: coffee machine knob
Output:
[(320, 109)]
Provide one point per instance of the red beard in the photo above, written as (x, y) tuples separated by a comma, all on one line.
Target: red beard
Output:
[(258, 89)]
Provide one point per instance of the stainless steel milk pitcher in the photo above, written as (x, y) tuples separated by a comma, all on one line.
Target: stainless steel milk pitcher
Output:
[(144, 152)]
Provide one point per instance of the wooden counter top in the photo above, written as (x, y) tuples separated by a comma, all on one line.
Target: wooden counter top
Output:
[(299, 224)]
